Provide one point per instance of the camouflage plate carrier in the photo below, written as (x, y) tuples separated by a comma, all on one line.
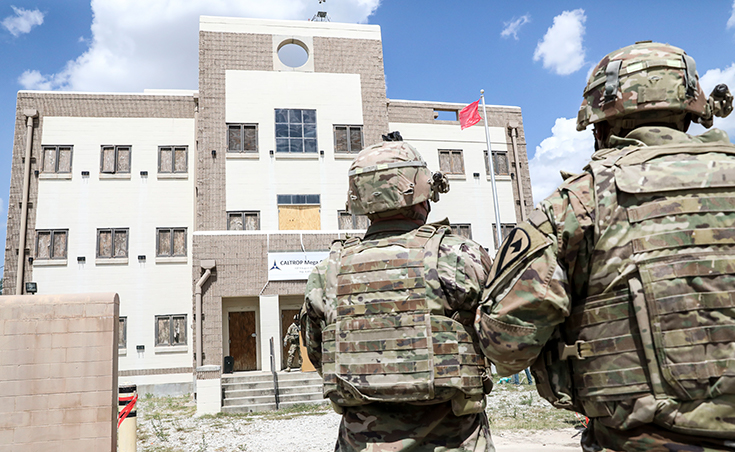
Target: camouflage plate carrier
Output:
[(390, 341), (658, 327)]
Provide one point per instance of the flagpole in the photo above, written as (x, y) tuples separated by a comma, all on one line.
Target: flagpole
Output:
[(492, 173)]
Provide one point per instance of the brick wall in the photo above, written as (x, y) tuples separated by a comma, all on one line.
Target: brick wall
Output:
[(58, 372), (66, 104)]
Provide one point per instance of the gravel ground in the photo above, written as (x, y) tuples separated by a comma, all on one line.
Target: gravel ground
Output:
[(520, 421)]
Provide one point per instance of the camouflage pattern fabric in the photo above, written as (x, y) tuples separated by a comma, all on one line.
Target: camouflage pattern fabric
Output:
[(382, 427), (667, 385), (294, 349), (462, 268)]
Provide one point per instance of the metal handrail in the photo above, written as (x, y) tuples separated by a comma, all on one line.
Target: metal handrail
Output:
[(275, 376)]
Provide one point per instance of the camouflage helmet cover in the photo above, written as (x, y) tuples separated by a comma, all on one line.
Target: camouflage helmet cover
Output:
[(644, 77), (386, 177)]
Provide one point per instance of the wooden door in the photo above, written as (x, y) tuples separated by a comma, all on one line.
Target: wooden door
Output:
[(299, 217), (243, 344), (286, 321)]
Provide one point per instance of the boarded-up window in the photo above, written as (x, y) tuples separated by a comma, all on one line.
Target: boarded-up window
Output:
[(122, 336), (505, 229), (112, 243), (348, 139), (351, 221), (242, 138), (170, 330), (299, 212), (171, 242), (451, 161), (243, 221), (462, 229), (56, 159), (501, 167), (295, 130), (172, 159), (51, 244), (115, 159)]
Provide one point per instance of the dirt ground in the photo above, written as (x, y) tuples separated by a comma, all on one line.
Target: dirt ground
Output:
[(538, 440)]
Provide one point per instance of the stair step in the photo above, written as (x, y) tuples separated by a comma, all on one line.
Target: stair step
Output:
[(269, 406), (264, 399), (232, 393)]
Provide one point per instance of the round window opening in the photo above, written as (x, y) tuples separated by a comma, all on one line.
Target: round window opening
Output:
[(293, 55)]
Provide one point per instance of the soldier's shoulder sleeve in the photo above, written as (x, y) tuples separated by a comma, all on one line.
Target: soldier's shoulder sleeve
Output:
[(313, 313), (463, 266), (528, 292)]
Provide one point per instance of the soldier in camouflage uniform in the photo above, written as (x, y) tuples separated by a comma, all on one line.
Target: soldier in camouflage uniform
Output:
[(291, 340), (387, 319), (620, 288)]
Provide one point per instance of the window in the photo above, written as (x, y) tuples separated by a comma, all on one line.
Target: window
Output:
[(170, 330), (115, 159), (122, 336), (348, 139), (298, 199), (295, 130), (500, 163), (242, 138), (243, 221), (51, 244), (56, 159), (170, 242), (505, 229), (462, 229), (172, 159), (451, 161), (351, 221), (112, 243)]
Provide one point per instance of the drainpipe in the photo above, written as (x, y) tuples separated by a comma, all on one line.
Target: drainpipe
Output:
[(513, 128), (207, 265), (30, 114)]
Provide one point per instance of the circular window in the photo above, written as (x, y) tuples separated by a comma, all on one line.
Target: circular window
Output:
[(293, 54)]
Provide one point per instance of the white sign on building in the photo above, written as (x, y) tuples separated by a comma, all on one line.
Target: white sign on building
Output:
[(293, 265)]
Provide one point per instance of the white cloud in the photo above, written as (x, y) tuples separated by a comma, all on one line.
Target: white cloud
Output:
[(22, 21), (709, 80), (138, 44), (561, 49), (731, 20), (514, 26), (566, 149)]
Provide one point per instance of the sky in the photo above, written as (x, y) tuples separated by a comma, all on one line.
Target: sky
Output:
[(536, 55)]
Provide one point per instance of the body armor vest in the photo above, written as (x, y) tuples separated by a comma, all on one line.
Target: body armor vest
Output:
[(390, 341), (654, 341)]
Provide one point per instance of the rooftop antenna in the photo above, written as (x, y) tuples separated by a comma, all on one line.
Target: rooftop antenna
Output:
[(321, 16)]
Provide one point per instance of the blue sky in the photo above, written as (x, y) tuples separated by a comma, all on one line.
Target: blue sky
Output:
[(532, 54)]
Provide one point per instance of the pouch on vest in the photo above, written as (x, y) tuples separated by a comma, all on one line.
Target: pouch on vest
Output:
[(387, 343)]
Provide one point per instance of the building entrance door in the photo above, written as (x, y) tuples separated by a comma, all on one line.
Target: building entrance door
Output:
[(243, 344), (286, 321)]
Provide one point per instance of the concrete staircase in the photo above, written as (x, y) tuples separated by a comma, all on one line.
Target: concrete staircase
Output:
[(247, 392)]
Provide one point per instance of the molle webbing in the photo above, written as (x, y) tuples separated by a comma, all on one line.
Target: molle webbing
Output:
[(665, 328), (385, 344)]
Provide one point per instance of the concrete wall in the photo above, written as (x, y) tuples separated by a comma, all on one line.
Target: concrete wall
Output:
[(58, 372)]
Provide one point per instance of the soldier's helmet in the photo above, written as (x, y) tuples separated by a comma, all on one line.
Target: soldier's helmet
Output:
[(389, 177), (644, 82)]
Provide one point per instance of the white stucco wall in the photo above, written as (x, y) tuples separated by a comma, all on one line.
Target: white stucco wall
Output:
[(84, 204), (254, 183)]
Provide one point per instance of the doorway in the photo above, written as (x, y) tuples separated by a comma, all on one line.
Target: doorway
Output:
[(286, 321), (243, 340)]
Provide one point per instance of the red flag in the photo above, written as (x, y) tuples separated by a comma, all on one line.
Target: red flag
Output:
[(469, 116)]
